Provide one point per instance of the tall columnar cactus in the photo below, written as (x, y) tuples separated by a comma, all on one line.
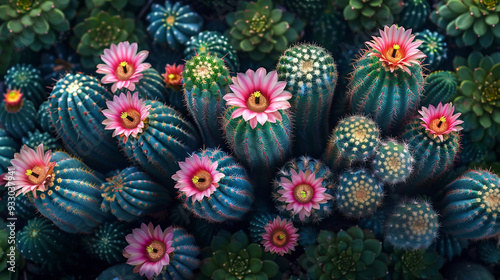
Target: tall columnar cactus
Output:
[(151, 86), (303, 189), (387, 80), (35, 138), (214, 43), (213, 186), (206, 79), (173, 24), (8, 147), (414, 14), (393, 163), (43, 116), (311, 78), (75, 106), (434, 47), (107, 242), (440, 86), (261, 30), (434, 142), (367, 16), (17, 115), (28, 79), (471, 206), (257, 125), (152, 134), (477, 99), (412, 225), (358, 193), (472, 23), (130, 194)]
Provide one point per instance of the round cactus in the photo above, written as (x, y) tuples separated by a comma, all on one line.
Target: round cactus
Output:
[(173, 24), (434, 47), (416, 264), (261, 30), (35, 138), (393, 163), (471, 206), (440, 86), (130, 194), (28, 79), (43, 117), (307, 9), (448, 246), (358, 194), (17, 115), (107, 242), (257, 223), (8, 147), (213, 186), (311, 78), (414, 14), (366, 16), (151, 86)]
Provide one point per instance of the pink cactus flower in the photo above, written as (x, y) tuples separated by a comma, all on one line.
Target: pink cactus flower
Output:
[(123, 66), (198, 177), (33, 170), (173, 76), (258, 97), (303, 193), (280, 236), (149, 249), (440, 121), (396, 48), (126, 115), (13, 100)]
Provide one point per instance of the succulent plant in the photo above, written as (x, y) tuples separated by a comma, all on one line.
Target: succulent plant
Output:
[(393, 162), (434, 47), (367, 16), (416, 264), (439, 86), (414, 14), (107, 242), (257, 223), (35, 138), (28, 80)]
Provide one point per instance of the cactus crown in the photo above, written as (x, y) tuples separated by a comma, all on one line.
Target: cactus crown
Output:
[(355, 135), (203, 72), (393, 163)]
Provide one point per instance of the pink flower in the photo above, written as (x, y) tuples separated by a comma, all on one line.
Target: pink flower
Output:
[(258, 97), (173, 76), (123, 65), (280, 237), (396, 48), (198, 177), (13, 100), (440, 121), (149, 249), (303, 193), (33, 170), (126, 115)]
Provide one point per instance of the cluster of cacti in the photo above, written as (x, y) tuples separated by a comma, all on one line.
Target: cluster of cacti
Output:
[(214, 43), (151, 86), (28, 80)]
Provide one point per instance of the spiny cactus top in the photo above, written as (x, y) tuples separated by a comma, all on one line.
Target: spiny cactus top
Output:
[(396, 48), (126, 115), (258, 97), (434, 47), (123, 65), (280, 237), (29, 80), (149, 249), (173, 76), (440, 121), (206, 73)]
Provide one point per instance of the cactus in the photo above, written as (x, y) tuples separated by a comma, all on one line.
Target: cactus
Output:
[(328, 28), (375, 222), (107, 242), (311, 78), (119, 271), (28, 79), (416, 264), (173, 24), (393, 163), (35, 138), (17, 115), (412, 225), (472, 23), (307, 9), (489, 251), (414, 14), (336, 256), (185, 261), (174, 83), (303, 189), (448, 246), (366, 16), (75, 106), (213, 186), (44, 119), (205, 82), (151, 86), (470, 208), (257, 223), (355, 138), (358, 193), (472, 151), (130, 194), (261, 30), (440, 86), (8, 147), (434, 47), (214, 43)]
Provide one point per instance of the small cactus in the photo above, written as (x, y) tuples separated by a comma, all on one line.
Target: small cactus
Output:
[(35, 138), (439, 86), (414, 14), (214, 43), (434, 47), (393, 162), (17, 115), (28, 79), (107, 242)]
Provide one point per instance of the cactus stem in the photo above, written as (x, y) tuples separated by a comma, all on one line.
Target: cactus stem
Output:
[(202, 180), (303, 193)]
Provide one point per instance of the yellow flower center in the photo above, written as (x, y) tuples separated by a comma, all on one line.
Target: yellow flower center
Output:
[(130, 119), (279, 238), (257, 102), (202, 180), (303, 193), (439, 126), (170, 20), (124, 71)]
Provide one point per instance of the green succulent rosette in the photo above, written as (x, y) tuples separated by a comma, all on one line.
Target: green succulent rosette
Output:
[(416, 264), (366, 16), (261, 30)]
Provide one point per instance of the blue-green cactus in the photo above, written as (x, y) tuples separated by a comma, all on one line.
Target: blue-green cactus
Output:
[(107, 242), (449, 246), (311, 78), (439, 86), (414, 14), (489, 251), (257, 223), (434, 47), (472, 151), (471, 206), (8, 147), (17, 115), (214, 43), (375, 222), (151, 86), (185, 260), (130, 194), (35, 138), (44, 119), (28, 79), (393, 162)]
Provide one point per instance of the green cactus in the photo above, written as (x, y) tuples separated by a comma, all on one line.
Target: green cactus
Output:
[(366, 16), (393, 163), (414, 14), (107, 242), (35, 138), (434, 47), (29, 80), (439, 86)]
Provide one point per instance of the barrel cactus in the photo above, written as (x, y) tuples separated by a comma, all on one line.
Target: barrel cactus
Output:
[(367, 16), (28, 79), (414, 14), (434, 47), (393, 162), (440, 86), (107, 242), (35, 138), (17, 114), (43, 116)]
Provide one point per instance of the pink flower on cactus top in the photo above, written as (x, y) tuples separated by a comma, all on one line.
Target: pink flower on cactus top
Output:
[(258, 97), (280, 236), (198, 177), (126, 115), (123, 65), (173, 76), (149, 249), (396, 48), (33, 170), (303, 193), (440, 121)]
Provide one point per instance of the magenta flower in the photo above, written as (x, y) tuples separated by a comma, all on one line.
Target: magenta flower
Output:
[(173, 76), (440, 121), (396, 48), (280, 237), (126, 115), (149, 249), (258, 97), (303, 193), (198, 177), (33, 170), (123, 66)]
